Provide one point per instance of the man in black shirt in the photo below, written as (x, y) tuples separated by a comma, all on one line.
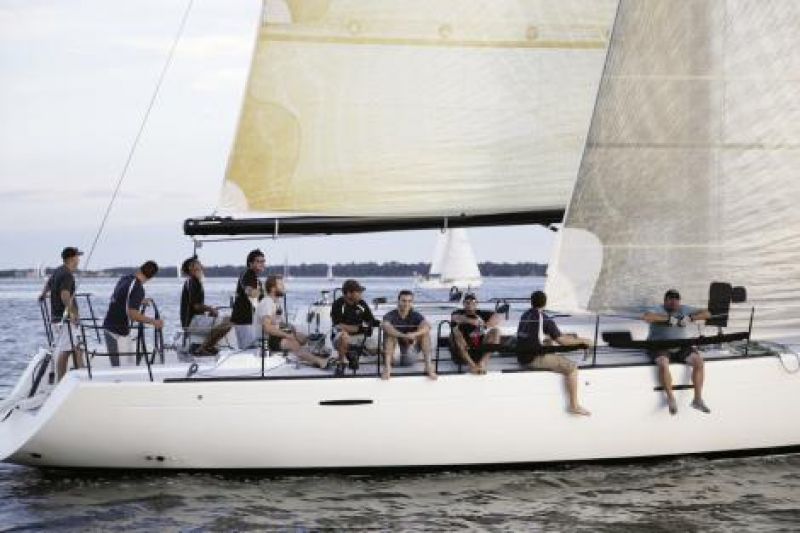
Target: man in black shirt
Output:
[(471, 329), (249, 292), (194, 309), (352, 320), (60, 287), (408, 329), (123, 309), (536, 330)]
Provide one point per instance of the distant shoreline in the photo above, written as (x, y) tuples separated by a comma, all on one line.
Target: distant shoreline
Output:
[(390, 269)]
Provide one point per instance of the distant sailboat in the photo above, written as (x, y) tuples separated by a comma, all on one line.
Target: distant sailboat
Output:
[(330, 273), (286, 275), (454, 263)]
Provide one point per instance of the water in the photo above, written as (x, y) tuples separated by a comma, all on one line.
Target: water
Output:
[(688, 494)]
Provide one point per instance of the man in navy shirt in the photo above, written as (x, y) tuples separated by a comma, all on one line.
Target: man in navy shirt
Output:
[(408, 329), (536, 330), (123, 309)]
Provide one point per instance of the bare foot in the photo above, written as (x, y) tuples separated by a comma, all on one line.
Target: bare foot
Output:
[(385, 375), (578, 410), (432, 375)]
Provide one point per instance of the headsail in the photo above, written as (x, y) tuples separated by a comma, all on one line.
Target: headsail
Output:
[(691, 172), (415, 109), (442, 239), (459, 266)]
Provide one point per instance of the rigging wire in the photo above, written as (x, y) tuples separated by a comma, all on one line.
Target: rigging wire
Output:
[(131, 152), (123, 174)]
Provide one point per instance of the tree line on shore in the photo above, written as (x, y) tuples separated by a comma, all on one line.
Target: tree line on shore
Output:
[(318, 270)]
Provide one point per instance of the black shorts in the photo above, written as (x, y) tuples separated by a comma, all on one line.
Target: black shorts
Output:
[(676, 355), (274, 343)]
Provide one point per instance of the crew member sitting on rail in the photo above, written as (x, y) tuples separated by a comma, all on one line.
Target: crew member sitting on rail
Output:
[(124, 308), (537, 330), (408, 329), (196, 316), (352, 321), (471, 329), (668, 322), (281, 336)]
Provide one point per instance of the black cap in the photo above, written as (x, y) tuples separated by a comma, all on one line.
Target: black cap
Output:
[(352, 285), (70, 251), (672, 293)]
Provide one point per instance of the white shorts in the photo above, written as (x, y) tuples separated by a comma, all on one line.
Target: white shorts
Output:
[(65, 338), (246, 335), (120, 344)]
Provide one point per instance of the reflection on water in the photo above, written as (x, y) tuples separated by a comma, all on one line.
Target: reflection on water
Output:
[(753, 494)]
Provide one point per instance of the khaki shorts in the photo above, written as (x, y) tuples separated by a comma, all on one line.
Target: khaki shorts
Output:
[(553, 362), (371, 342)]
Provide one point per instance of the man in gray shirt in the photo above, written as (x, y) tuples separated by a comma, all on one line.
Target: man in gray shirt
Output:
[(669, 321)]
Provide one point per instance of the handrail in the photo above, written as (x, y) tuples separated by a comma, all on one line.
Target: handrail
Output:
[(141, 352), (438, 346)]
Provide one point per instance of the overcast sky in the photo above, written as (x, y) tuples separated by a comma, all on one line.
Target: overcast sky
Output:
[(75, 80)]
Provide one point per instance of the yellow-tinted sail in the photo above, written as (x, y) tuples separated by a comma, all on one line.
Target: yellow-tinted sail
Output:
[(411, 107)]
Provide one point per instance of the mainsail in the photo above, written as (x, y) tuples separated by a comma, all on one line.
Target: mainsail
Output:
[(691, 172), (415, 108)]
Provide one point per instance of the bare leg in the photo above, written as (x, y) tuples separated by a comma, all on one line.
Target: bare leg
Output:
[(492, 337), (460, 345), (425, 346), (572, 389), (698, 377), (302, 353), (664, 375), (61, 364), (698, 374), (342, 345), (215, 335), (389, 345)]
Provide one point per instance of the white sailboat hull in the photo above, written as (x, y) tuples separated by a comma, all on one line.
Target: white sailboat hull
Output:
[(462, 419), (442, 284)]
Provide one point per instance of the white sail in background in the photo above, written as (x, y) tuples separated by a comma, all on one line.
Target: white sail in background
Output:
[(330, 273), (692, 166), (459, 266), (438, 253), (416, 107)]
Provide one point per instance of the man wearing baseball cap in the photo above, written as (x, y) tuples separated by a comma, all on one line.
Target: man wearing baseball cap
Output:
[(64, 309), (669, 321), (352, 320)]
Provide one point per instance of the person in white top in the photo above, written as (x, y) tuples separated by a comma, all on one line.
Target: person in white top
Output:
[(280, 335)]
